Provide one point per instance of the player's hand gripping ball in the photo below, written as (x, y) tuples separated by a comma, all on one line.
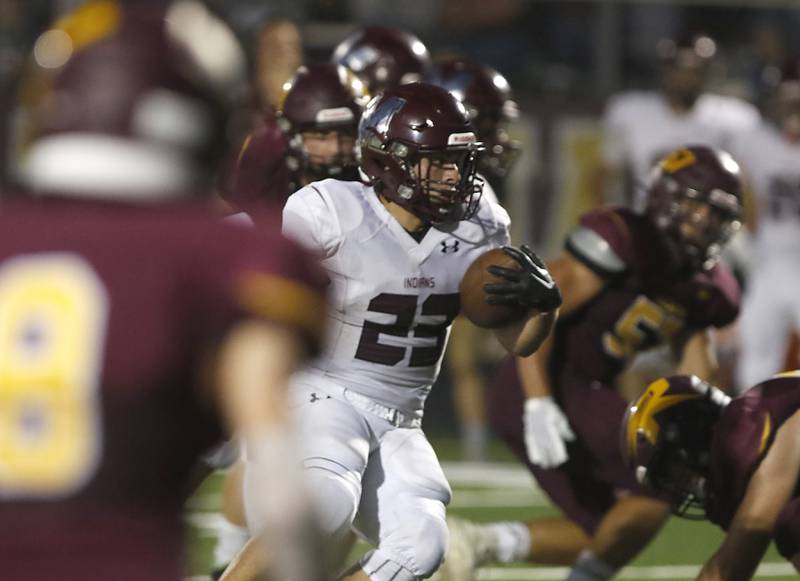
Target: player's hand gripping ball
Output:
[(504, 284)]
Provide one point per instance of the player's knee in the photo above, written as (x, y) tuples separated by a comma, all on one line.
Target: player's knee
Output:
[(421, 545), (430, 548), (413, 555), (336, 500)]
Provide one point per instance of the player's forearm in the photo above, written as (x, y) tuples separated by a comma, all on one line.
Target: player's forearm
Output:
[(697, 358), (524, 338), (254, 369), (461, 357), (738, 557), (533, 371), (249, 563)]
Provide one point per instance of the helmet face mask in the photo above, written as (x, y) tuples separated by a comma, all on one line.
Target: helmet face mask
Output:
[(502, 151), (319, 112), (444, 187), (694, 198), (418, 147), (317, 155), (679, 477)]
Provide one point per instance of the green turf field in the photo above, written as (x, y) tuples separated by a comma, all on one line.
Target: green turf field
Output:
[(502, 490)]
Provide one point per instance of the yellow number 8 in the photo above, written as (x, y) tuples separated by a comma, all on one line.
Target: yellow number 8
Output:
[(53, 319)]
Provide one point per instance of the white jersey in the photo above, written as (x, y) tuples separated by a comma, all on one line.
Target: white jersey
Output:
[(392, 298), (640, 127), (772, 167)]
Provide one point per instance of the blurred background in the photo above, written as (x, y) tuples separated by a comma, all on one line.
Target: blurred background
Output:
[(563, 59)]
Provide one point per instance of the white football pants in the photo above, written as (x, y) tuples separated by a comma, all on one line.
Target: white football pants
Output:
[(771, 310), (371, 474)]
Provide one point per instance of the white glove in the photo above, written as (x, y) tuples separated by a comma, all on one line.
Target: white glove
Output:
[(546, 430)]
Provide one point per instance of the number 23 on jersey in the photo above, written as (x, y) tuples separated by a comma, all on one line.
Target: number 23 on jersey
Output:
[(404, 308)]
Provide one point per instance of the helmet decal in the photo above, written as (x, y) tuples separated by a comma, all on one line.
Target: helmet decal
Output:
[(666, 439), (677, 160)]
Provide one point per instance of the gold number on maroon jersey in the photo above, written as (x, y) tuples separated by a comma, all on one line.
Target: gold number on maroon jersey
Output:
[(643, 325), (53, 318)]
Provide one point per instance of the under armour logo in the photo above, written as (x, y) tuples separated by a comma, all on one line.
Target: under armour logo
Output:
[(452, 248), (315, 397)]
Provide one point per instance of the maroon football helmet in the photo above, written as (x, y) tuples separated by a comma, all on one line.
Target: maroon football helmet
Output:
[(321, 99), (686, 62), (487, 97), (695, 197), (120, 106), (666, 439), (383, 57), (407, 125)]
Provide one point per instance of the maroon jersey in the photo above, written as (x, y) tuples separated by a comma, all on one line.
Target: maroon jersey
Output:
[(107, 313), (259, 174), (742, 437), (642, 305)]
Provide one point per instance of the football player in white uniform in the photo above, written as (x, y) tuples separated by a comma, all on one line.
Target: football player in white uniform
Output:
[(640, 127), (395, 251), (771, 157)]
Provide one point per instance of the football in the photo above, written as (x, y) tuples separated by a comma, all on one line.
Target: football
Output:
[(473, 297)]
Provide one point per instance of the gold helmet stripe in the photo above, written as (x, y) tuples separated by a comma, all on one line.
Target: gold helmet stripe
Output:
[(642, 419)]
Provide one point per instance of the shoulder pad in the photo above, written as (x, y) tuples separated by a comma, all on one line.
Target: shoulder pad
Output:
[(600, 241)]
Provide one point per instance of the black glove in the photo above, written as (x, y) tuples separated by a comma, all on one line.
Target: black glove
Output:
[(532, 287)]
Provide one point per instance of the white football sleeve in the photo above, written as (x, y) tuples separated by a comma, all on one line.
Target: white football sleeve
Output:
[(312, 222)]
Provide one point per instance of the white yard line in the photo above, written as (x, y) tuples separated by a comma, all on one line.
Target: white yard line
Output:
[(673, 572), (508, 485), (495, 474), (208, 522), (654, 572), (471, 499), (493, 499)]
